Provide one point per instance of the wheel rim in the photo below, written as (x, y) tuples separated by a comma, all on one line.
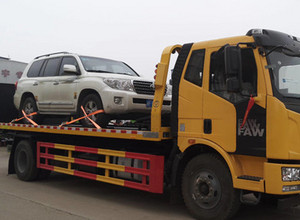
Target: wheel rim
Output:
[(206, 189), (28, 109), (22, 161), (90, 107)]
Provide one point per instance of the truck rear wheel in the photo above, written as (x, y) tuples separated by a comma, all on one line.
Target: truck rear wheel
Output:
[(207, 188), (24, 161)]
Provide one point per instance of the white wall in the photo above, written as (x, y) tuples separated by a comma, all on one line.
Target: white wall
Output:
[(11, 71)]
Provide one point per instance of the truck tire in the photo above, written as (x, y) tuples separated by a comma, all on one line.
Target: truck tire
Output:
[(29, 106), (92, 103), (25, 162), (207, 188)]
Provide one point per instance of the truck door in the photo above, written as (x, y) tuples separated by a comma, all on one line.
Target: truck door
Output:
[(224, 111), (190, 109)]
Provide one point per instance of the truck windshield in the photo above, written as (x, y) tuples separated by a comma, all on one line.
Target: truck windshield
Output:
[(286, 74), (100, 65)]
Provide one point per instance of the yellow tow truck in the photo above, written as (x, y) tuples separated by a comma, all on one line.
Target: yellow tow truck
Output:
[(234, 129)]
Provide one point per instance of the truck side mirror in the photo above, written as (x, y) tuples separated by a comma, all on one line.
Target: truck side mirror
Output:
[(233, 67)]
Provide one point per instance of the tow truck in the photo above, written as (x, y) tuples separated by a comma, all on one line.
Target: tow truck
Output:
[(234, 129)]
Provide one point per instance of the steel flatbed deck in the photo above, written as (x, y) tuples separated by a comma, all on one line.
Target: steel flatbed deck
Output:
[(164, 134)]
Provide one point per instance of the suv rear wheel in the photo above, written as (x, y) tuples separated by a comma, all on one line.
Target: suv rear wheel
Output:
[(29, 106), (92, 103)]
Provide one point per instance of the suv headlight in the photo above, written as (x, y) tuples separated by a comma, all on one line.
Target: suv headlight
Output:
[(121, 84), (290, 174)]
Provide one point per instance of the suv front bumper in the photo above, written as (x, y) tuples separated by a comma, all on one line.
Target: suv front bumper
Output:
[(122, 102)]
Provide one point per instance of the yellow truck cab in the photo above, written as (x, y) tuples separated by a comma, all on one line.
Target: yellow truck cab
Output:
[(234, 129), (238, 104)]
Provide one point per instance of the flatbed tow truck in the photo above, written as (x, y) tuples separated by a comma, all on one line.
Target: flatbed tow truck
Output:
[(234, 129)]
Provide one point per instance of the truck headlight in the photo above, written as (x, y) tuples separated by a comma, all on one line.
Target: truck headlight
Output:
[(290, 174), (121, 84)]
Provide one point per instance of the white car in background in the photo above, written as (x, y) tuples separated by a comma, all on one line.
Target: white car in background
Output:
[(60, 83)]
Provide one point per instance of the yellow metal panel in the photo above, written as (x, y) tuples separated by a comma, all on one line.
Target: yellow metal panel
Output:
[(64, 170), (120, 135), (64, 147), (111, 152), (160, 85), (273, 179), (250, 165), (64, 159), (110, 166), (223, 116), (110, 180), (257, 186), (283, 129)]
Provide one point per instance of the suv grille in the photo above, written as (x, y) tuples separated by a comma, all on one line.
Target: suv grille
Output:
[(143, 87)]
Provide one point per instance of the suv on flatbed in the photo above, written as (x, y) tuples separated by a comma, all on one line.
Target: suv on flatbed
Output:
[(60, 83)]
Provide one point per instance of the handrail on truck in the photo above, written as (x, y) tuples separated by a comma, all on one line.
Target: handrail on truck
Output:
[(160, 86)]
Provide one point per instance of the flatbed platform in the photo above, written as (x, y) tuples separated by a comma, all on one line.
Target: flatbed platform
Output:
[(92, 132)]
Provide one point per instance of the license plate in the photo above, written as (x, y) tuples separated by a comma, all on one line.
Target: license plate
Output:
[(149, 103)]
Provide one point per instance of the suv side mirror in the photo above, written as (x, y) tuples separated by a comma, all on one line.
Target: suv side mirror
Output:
[(233, 67), (71, 69)]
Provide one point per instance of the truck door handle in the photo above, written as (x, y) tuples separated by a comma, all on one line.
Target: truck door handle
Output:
[(207, 126), (35, 84), (55, 83)]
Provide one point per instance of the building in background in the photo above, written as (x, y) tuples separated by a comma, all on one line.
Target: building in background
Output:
[(10, 72)]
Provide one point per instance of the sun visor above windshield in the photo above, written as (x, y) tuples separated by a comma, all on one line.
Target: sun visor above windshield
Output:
[(269, 38)]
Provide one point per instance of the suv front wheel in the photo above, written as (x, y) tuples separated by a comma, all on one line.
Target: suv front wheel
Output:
[(92, 103)]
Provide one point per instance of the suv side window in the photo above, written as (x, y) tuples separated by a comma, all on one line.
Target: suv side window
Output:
[(194, 71), (67, 60), (218, 77), (51, 67), (35, 68)]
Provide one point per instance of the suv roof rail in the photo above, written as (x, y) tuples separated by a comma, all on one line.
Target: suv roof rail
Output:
[(49, 54)]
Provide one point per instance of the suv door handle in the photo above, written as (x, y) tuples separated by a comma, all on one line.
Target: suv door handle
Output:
[(55, 83), (35, 84)]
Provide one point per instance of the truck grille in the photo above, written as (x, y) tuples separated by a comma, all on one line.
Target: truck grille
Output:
[(143, 87)]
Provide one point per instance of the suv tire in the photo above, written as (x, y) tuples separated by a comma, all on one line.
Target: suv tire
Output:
[(29, 106), (92, 103)]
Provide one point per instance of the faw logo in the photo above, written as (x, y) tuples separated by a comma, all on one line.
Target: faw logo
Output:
[(251, 128)]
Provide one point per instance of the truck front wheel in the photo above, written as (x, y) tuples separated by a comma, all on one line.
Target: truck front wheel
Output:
[(208, 190), (24, 161)]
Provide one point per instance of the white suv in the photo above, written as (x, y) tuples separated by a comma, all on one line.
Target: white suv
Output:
[(60, 83)]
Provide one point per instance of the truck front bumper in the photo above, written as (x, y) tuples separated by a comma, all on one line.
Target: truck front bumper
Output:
[(277, 182)]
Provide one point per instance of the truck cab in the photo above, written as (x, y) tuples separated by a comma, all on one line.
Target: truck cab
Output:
[(239, 97)]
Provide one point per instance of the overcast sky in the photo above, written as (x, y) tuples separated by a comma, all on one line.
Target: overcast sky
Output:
[(134, 31)]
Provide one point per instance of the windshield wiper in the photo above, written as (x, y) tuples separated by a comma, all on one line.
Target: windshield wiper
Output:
[(129, 74), (290, 53), (102, 71), (99, 71)]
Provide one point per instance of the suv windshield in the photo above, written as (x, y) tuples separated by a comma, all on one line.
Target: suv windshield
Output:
[(286, 74), (100, 65)]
